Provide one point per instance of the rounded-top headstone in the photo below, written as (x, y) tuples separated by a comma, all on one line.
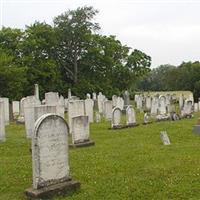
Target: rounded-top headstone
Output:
[(50, 151)]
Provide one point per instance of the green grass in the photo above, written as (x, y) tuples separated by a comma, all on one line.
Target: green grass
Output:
[(124, 164)]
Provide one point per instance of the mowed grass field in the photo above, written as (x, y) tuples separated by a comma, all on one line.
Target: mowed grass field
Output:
[(124, 164)]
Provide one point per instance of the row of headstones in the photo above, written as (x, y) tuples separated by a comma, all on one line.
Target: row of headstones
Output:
[(162, 105)]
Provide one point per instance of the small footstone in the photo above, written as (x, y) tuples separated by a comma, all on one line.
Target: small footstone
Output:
[(82, 144)]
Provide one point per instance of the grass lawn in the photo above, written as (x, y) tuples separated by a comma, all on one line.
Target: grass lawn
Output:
[(124, 164)]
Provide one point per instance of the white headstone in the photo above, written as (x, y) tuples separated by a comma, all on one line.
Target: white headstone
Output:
[(50, 151), (107, 109), (2, 122), (15, 108), (37, 91), (75, 108), (130, 116), (6, 109), (29, 103), (98, 117), (80, 129), (120, 103), (196, 107), (116, 117), (89, 109)]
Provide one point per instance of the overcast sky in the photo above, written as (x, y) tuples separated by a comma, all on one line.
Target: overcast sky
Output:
[(167, 30)]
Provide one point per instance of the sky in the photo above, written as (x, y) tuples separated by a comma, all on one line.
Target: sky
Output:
[(167, 30)]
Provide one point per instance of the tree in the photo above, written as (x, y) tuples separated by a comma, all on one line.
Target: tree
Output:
[(74, 30)]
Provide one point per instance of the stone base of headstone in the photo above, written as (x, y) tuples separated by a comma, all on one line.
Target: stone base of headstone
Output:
[(196, 129), (20, 120), (131, 125), (50, 191), (145, 123), (82, 144), (118, 127)]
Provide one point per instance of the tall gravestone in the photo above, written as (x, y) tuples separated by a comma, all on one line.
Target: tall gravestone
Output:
[(2, 122), (107, 109), (100, 100), (81, 132), (89, 109), (6, 110), (15, 109), (75, 108), (36, 93), (29, 103), (114, 100), (50, 160), (126, 99), (162, 105)]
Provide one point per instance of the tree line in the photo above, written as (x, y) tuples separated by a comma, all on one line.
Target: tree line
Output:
[(186, 76), (70, 53)]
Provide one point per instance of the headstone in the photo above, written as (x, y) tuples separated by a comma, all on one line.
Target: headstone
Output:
[(164, 137), (50, 158), (42, 110), (196, 107), (89, 105), (120, 103), (29, 103), (51, 98), (107, 109), (162, 106), (2, 122), (114, 100), (75, 108), (130, 116), (6, 109), (116, 118), (155, 106), (94, 96), (126, 99), (21, 119), (100, 100), (15, 109), (81, 132), (148, 102), (88, 96), (69, 93), (36, 93)]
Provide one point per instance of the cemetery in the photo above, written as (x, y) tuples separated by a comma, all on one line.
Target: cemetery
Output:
[(147, 160), (84, 116)]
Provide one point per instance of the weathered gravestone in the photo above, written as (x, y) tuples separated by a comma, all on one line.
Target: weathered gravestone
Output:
[(6, 110), (15, 109), (116, 118), (89, 109), (29, 103), (126, 99), (75, 108), (81, 132), (120, 103), (196, 107), (21, 119), (162, 105), (155, 106), (2, 123), (107, 109), (100, 99), (114, 100), (36, 92), (164, 138), (148, 102), (130, 117), (50, 159)]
